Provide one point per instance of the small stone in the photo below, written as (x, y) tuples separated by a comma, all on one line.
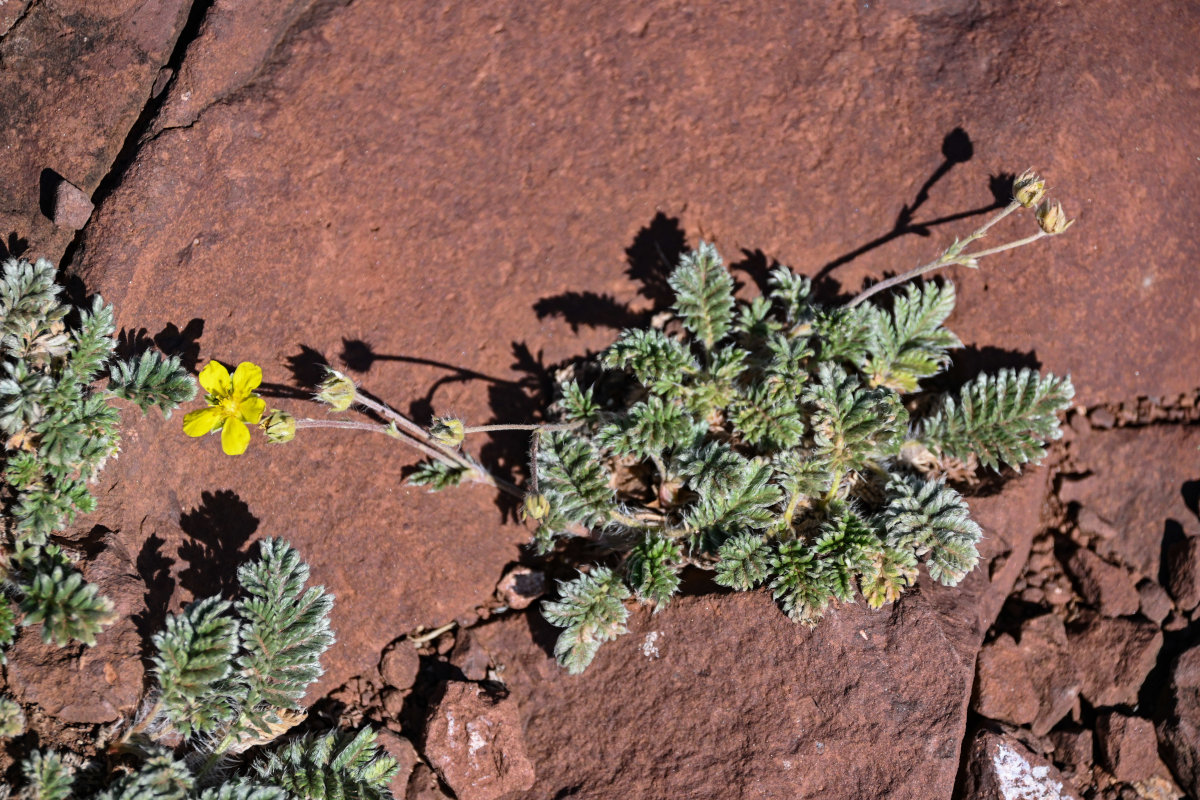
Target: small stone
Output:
[(1050, 681), (520, 586), (470, 657), (1117, 655), (1175, 621), (1108, 587), (1183, 572), (1058, 593), (423, 784), (1127, 745), (1092, 524), (444, 643), (72, 207), (1102, 418), (406, 757), (1033, 595), (1078, 490), (476, 744), (1001, 768), (1072, 750), (400, 665), (1154, 602), (393, 705)]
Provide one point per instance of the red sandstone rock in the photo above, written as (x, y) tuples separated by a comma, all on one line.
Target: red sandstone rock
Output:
[(1179, 721), (87, 684), (400, 665), (1137, 477), (1001, 768), (75, 79), (1103, 585), (72, 206), (1115, 656), (470, 657), (1183, 572), (1127, 745), (1034, 682), (1153, 601), (406, 757), (1072, 751), (474, 741)]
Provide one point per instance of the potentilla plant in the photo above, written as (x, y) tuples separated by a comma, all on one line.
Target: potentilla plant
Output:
[(60, 424), (777, 442)]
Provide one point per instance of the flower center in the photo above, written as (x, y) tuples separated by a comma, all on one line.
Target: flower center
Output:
[(230, 406)]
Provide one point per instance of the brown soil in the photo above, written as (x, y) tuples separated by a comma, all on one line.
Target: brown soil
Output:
[(448, 200)]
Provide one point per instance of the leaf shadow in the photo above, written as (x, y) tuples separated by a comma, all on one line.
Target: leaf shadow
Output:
[(219, 532)]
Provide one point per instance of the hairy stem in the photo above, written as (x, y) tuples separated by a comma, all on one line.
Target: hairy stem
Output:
[(951, 256)]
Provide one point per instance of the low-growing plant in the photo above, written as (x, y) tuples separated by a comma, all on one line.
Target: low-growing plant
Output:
[(229, 680), (61, 424), (775, 441)]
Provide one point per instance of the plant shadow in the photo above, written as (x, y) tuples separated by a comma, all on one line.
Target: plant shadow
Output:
[(219, 532)]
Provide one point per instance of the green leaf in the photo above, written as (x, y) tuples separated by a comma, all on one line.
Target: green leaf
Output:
[(648, 429), (152, 381), (590, 610), (437, 475), (160, 777), (193, 661), (929, 517), (572, 477), (658, 361), (653, 569), (578, 404), (330, 766), (12, 718), (846, 334), (797, 581), (846, 546), (744, 561), (285, 627), (790, 294), (746, 504), (704, 295), (54, 594), (1005, 418), (853, 425), (910, 343), (46, 776), (765, 421)]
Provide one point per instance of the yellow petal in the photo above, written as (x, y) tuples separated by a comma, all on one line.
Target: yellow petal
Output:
[(246, 379), (215, 379), (202, 421), (235, 437), (251, 409)]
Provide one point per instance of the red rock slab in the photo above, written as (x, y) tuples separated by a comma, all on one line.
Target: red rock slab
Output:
[(1139, 487), (420, 178), (76, 76), (721, 696)]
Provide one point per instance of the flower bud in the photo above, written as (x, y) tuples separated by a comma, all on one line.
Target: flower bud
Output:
[(1052, 218), (279, 426), (1029, 189), (447, 431), (336, 391), (536, 505)]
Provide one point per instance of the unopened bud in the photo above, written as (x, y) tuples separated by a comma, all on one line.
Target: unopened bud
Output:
[(279, 426), (536, 505), (1052, 218), (1029, 189), (336, 391), (447, 431)]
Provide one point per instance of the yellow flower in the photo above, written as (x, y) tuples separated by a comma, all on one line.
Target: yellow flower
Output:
[(231, 405)]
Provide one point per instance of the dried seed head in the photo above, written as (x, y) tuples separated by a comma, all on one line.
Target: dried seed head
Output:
[(279, 426), (1029, 189), (447, 431), (1052, 219), (337, 391)]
